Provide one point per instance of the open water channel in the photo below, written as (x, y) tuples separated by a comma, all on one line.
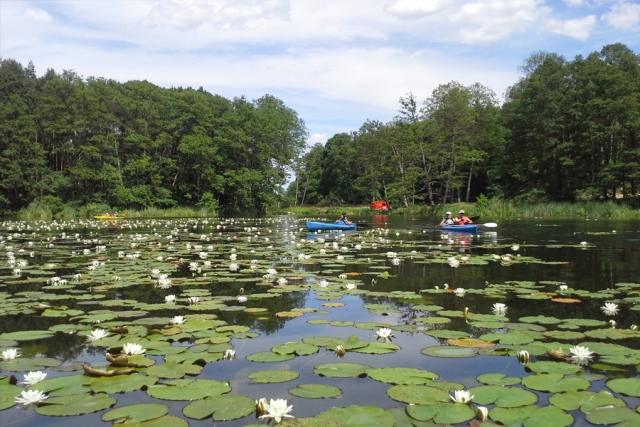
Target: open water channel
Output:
[(436, 292)]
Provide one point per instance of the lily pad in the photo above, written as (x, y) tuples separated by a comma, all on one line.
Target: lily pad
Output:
[(269, 356), (188, 389), (625, 386), (532, 416), (497, 379), (295, 348), (502, 397), (586, 401), (446, 413), (75, 404), (418, 394), (358, 416), (26, 335), (136, 413), (122, 383), (315, 391), (449, 351), (220, 408), (398, 376), (172, 369), (342, 370), (612, 415), (275, 376), (554, 383)]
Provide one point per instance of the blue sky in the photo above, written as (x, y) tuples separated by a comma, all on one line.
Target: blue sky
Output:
[(336, 62)]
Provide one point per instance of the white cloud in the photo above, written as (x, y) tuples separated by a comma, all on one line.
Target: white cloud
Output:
[(579, 28), (413, 9), (623, 15), (575, 3), (36, 14), (317, 138)]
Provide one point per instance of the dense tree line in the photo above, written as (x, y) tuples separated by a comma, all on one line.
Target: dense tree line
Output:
[(65, 139), (567, 131)]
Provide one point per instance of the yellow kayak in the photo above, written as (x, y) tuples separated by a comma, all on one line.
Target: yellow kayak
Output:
[(108, 217)]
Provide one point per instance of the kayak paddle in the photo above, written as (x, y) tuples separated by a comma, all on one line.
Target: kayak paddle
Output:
[(488, 225)]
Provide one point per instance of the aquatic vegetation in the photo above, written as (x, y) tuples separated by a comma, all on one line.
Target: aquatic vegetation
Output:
[(30, 397), (277, 409), (499, 309), (610, 308), (10, 353), (33, 377), (132, 349), (461, 396), (97, 334), (581, 355)]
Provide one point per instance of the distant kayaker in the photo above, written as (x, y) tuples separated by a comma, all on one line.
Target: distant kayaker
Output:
[(344, 219), (447, 220), (462, 219)]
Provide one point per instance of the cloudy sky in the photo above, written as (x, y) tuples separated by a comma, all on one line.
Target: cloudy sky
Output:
[(336, 62)]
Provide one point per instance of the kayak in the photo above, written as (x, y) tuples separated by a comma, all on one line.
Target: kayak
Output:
[(469, 228), (107, 217), (340, 225)]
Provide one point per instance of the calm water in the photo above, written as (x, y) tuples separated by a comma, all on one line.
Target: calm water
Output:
[(610, 258)]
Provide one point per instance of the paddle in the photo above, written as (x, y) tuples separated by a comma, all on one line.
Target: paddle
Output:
[(488, 225), (474, 218)]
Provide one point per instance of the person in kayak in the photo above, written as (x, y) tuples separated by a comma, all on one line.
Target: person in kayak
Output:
[(447, 220), (462, 219), (344, 219)]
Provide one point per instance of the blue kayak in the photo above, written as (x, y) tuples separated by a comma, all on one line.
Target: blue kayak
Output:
[(339, 225), (469, 228)]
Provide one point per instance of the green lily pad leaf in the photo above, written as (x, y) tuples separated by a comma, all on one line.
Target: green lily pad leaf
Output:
[(220, 408), (418, 394), (447, 334), (564, 335), (171, 369), (23, 364), (531, 416), (398, 376), (269, 356), (554, 383), (586, 401), (497, 379), (296, 348), (510, 338), (136, 413), (315, 391), (122, 383), (342, 370), (449, 351), (341, 323), (358, 416), (625, 386), (377, 348), (370, 325), (424, 307), (554, 368), (26, 335), (75, 404), (276, 376), (612, 415), (447, 413), (8, 394), (503, 397), (543, 320), (188, 389), (164, 421), (64, 386), (404, 420), (612, 334)]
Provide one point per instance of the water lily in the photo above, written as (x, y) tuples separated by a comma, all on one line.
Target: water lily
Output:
[(461, 396), (29, 397), (10, 353), (342, 276), (33, 377), (340, 258), (170, 299), (351, 286), (395, 261), (612, 324), (482, 413), (229, 354), (563, 287), (610, 308), (177, 320), (340, 351), (515, 247), (499, 309), (261, 405), (323, 283), (633, 327), (523, 356), (241, 298), (581, 355), (453, 262), (234, 267), (385, 333), (277, 409), (132, 348), (459, 292), (584, 243), (97, 334), (194, 300), (233, 257), (282, 281)]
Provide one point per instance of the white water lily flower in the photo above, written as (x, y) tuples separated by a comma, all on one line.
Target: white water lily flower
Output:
[(340, 258), (177, 320), (31, 396), (234, 267), (323, 283), (170, 299), (241, 298), (10, 353), (229, 354), (482, 413), (445, 286), (584, 243), (633, 327), (33, 377), (395, 261), (563, 287), (233, 257), (323, 251), (277, 409), (282, 281), (612, 324), (453, 262), (461, 396), (581, 355), (610, 308), (340, 351), (384, 333), (459, 292), (342, 276), (194, 300), (499, 309), (132, 348), (523, 356), (261, 405), (351, 286), (515, 247), (272, 271), (97, 334)]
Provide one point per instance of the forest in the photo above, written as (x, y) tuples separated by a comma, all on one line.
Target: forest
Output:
[(566, 131)]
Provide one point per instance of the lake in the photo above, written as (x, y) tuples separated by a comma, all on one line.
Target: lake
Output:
[(460, 307)]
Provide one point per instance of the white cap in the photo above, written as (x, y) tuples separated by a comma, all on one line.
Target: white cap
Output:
[(448, 213)]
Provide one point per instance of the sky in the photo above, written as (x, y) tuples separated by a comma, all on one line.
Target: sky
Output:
[(337, 63)]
